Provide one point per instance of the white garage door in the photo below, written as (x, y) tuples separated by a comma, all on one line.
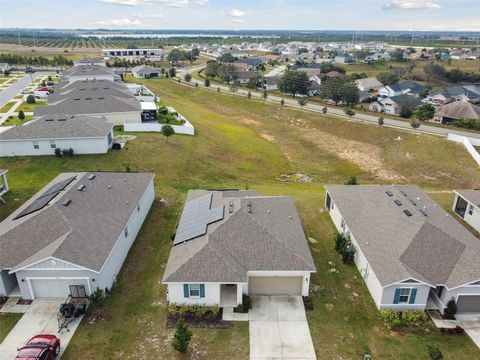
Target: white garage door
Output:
[(54, 288), (267, 285), (468, 304)]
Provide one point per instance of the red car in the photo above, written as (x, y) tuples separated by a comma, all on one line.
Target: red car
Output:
[(40, 347)]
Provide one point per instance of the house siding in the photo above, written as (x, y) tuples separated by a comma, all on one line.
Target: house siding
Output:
[(7, 282), (176, 295), (421, 297), (448, 295)]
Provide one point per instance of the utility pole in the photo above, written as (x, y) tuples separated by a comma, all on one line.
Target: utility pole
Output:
[(19, 41)]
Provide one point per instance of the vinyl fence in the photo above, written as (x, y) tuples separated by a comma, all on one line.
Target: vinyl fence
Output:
[(469, 143)]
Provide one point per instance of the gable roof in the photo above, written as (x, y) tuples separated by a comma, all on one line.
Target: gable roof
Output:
[(459, 110), (370, 82), (270, 237), (145, 69), (407, 85), (58, 126), (82, 233), (433, 248), (88, 70)]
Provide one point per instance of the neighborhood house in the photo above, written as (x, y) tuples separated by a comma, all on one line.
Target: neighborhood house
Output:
[(467, 206)]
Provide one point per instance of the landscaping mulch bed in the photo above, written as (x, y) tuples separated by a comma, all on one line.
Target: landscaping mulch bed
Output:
[(22, 301), (207, 321)]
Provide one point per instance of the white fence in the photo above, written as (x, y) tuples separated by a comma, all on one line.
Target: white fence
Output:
[(185, 129), (469, 143)]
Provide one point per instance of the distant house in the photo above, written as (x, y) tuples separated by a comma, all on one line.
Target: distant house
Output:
[(391, 105), (230, 243), (89, 72), (467, 205), (90, 61), (344, 59), (85, 135), (253, 61), (145, 72), (270, 82), (242, 77), (405, 87), (447, 113), (409, 251), (73, 236), (368, 84), (469, 93)]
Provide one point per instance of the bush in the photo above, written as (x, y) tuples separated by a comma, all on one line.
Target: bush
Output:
[(302, 102), (391, 318), (31, 99), (411, 318), (415, 124), (434, 352), (21, 115), (245, 306), (182, 337), (197, 310), (345, 248), (308, 303), (352, 181), (58, 152), (473, 124), (282, 102), (381, 121), (97, 297), (324, 110), (450, 310), (70, 152), (188, 77), (207, 82)]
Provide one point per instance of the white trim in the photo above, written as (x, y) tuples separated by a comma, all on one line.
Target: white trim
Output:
[(463, 294), (29, 279), (439, 300), (402, 304), (400, 283), (463, 285)]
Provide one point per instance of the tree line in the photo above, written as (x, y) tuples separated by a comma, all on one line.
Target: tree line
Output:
[(15, 59)]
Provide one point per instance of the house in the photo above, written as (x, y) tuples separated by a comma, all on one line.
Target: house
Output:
[(469, 93), (467, 205), (89, 72), (134, 53), (230, 243), (405, 87), (41, 136), (242, 77), (90, 61), (4, 188), (391, 105), (73, 236), (270, 82), (344, 59), (456, 110), (409, 251), (368, 84), (253, 61), (145, 72)]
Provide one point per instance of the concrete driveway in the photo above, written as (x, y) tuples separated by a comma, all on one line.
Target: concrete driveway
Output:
[(40, 318), (471, 324), (279, 329)]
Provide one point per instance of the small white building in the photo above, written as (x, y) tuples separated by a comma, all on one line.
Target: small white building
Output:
[(410, 252), (230, 243), (145, 72), (42, 136), (467, 205), (74, 235), (368, 84), (133, 53)]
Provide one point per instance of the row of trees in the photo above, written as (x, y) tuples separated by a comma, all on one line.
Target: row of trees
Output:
[(225, 72), (178, 55), (337, 90), (15, 59)]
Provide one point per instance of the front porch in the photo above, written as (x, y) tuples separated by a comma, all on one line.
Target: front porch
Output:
[(229, 297)]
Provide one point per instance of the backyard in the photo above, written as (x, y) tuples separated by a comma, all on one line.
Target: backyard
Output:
[(243, 143)]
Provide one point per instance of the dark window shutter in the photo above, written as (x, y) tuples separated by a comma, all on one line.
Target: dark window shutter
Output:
[(396, 298), (202, 290), (413, 294), (185, 290)]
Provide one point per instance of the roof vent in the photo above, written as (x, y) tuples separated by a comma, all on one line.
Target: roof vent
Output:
[(67, 202), (403, 193), (91, 177), (424, 212), (109, 186), (81, 188), (398, 202), (290, 216), (407, 212), (230, 206), (413, 202), (48, 119), (389, 193), (269, 211)]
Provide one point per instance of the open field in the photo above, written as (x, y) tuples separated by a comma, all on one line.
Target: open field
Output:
[(241, 143)]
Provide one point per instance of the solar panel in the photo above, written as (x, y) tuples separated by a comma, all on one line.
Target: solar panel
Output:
[(195, 218), (38, 204), (58, 186)]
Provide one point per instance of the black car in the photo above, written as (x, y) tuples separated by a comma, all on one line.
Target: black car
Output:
[(29, 70)]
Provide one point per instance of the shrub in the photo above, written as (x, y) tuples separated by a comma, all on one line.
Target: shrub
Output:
[(21, 115), (473, 124), (415, 124), (70, 152), (249, 95), (97, 297), (413, 318), (324, 110), (345, 248), (245, 305), (182, 337), (188, 77), (302, 102), (339, 242), (434, 352), (391, 318), (282, 102), (197, 310), (450, 310), (58, 152), (31, 99), (381, 121), (308, 303), (207, 82), (349, 111), (352, 181)]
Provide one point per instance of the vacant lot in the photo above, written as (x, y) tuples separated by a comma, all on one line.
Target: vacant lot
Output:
[(241, 143)]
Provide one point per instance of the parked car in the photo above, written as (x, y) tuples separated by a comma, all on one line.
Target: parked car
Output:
[(25, 91), (29, 70), (41, 347)]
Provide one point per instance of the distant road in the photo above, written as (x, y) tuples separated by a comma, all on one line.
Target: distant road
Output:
[(14, 89), (360, 117)]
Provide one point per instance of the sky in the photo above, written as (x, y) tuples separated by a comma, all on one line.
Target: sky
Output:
[(428, 15)]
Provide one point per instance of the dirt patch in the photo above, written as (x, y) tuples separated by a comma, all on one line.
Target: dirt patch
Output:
[(366, 156), (248, 121), (267, 137)]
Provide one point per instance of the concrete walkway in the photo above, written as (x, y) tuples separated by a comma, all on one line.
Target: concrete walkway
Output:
[(279, 329), (470, 323), (40, 318), (337, 112)]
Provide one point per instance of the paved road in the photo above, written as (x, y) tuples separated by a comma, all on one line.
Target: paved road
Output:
[(14, 89), (360, 117)]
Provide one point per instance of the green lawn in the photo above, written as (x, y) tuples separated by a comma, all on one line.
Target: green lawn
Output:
[(7, 107), (15, 121), (26, 107), (7, 322), (243, 143)]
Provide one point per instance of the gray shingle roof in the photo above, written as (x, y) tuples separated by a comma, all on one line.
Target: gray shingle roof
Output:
[(82, 233), (58, 126), (89, 88), (145, 69), (472, 196), (459, 110), (270, 238), (88, 70), (435, 248)]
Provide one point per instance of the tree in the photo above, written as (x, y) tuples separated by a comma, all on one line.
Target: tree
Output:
[(451, 309), (397, 55), (172, 72), (211, 69), (227, 57), (349, 111), (324, 110), (188, 77), (302, 102), (434, 71), (249, 95), (294, 82), (332, 89), (352, 181), (195, 52), (167, 131), (31, 99), (388, 77), (264, 94), (49, 78), (349, 93), (407, 106), (207, 82), (21, 115), (6, 73), (182, 336), (425, 112), (227, 73), (255, 82), (381, 121), (282, 102), (415, 124), (434, 352)]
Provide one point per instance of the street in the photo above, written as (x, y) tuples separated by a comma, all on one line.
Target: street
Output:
[(14, 89)]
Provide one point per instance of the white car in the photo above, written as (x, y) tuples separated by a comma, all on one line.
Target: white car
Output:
[(26, 91)]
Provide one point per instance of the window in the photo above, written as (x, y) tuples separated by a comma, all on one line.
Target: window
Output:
[(404, 295), (470, 210), (126, 231), (52, 144), (35, 145), (194, 290)]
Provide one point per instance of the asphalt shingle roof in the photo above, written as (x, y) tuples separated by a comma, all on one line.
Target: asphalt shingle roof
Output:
[(459, 110), (269, 238), (435, 248), (82, 233), (472, 196)]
